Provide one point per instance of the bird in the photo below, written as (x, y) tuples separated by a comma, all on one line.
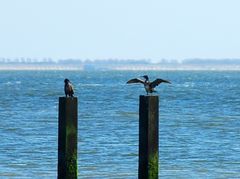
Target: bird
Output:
[(149, 86), (68, 88)]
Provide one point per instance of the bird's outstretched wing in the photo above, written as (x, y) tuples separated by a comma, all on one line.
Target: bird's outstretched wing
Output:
[(135, 80), (157, 82)]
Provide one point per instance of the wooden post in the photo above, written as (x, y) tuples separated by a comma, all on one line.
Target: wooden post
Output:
[(148, 137), (67, 138)]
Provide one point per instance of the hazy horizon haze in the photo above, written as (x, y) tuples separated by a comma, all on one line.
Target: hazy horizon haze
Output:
[(120, 29)]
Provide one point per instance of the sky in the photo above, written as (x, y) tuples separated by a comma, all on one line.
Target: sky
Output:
[(122, 29)]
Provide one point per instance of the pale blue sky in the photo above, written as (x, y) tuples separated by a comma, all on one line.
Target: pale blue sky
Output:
[(121, 29)]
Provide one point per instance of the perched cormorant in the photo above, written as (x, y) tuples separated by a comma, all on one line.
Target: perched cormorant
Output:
[(149, 86), (68, 88)]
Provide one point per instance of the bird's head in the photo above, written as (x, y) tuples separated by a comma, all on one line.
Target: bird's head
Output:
[(66, 81), (145, 77)]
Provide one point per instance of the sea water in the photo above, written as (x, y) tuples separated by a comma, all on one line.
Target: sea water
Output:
[(199, 123)]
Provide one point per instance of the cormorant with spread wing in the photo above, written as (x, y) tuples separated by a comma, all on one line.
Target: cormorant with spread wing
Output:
[(68, 88), (149, 86)]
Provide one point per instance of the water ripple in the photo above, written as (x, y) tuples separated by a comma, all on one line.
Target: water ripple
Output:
[(199, 124)]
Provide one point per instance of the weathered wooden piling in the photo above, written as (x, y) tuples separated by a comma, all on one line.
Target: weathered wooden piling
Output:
[(67, 138), (148, 137)]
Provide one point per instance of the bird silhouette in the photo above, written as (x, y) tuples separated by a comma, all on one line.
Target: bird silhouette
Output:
[(68, 88), (149, 86)]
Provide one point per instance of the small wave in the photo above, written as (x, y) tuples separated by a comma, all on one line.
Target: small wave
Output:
[(127, 114), (8, 83), (189, 84), (86, 85), (186, 84)]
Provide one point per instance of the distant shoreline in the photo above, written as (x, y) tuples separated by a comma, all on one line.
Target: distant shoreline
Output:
[(38, 68), (151, 67), (120, 65), (180, 68)]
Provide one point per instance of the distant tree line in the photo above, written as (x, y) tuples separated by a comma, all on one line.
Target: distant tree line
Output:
[(211, 61), (72, 61)]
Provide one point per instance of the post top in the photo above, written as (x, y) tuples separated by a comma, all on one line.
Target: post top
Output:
[(67, 98), (149, 96)]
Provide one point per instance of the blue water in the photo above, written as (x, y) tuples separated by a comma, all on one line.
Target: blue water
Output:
[(199, 124)]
